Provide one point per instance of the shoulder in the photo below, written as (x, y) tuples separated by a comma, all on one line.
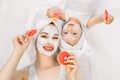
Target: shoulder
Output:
[(21, 75)]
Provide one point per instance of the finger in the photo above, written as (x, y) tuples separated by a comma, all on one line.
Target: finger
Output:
[(71, 66), (72, 62), (23, 38), (20, 39), (111, 18), (71, 57), (71, 69), (71, 54), (26, 39)]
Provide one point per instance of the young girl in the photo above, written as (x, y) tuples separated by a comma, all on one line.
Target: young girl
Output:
[(46, 66), (74, 41), (72, 32), (73, 27)]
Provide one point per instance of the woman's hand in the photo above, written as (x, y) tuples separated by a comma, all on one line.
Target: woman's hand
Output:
[(51, 11), (72, 68), (21, 42)]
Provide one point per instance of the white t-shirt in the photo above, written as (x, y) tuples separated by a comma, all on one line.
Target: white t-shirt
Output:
[(33, 75)]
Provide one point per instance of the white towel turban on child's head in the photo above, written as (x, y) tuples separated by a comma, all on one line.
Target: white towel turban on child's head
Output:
[(37, 20), (78, 49)]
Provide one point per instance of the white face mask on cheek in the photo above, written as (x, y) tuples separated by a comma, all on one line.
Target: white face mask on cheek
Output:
[(48, 46)]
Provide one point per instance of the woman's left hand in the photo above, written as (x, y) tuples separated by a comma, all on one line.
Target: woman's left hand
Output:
[(72, 68)]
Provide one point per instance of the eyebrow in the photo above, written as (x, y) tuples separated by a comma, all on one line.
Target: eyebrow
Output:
[(47, 33), (56, 34), (44, 33)]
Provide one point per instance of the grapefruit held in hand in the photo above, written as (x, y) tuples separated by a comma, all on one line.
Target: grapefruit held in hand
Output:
[(62, 57), (32, 32)]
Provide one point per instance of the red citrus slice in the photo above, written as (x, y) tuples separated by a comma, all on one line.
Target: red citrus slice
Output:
[(106, 15), (61, 57), (57, 14), (32, 32)]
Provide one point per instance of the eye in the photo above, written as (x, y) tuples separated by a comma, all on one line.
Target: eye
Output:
[(55, 38), (74, 33), (44, 36), (65, 32)]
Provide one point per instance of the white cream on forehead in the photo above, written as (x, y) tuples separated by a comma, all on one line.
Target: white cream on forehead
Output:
[(51, 31)]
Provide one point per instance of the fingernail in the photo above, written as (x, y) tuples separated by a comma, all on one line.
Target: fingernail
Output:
[(26, 39), (65, 58)]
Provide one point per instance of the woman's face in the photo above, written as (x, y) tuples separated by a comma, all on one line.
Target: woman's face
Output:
[(48, 40), (71, 33)]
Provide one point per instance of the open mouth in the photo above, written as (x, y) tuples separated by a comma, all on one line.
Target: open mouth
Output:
[(48, 48), (70, 24)]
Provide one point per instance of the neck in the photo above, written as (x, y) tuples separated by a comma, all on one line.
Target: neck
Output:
[(44, 62)]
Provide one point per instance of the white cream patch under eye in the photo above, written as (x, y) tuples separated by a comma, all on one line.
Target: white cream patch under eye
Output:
[(48, 35)]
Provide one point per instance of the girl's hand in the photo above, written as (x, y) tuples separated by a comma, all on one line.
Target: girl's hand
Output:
[(110, 19), (21, 42), (71, 68), (51, 11)]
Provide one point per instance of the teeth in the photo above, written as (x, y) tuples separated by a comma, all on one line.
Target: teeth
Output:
[(49, 48)]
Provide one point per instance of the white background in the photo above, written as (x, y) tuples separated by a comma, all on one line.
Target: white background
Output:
[(105, 39)]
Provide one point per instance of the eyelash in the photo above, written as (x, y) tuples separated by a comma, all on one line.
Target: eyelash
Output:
[(55, 37), (65, 32), (74, 33), (43, 36)]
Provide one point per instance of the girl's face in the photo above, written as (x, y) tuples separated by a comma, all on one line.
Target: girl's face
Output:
[(71, 33), (48, 40)]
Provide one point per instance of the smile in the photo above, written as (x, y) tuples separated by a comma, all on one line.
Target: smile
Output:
[(48, 48)]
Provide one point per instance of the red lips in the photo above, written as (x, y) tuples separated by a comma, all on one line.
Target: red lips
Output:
[(49, 48)]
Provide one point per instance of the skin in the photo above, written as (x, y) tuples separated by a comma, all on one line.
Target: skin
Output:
[(8, 72), (99, 19)]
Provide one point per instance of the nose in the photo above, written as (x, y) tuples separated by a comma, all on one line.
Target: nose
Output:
[(50, 41), (69, 35)]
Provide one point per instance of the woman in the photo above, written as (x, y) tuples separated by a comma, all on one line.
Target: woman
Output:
[(46, 66)]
